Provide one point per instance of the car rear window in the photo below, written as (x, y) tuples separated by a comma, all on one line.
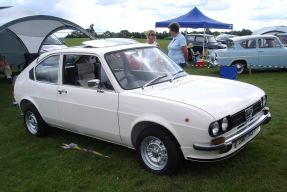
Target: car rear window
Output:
[(31, 74), (47, 70), (268, 43)]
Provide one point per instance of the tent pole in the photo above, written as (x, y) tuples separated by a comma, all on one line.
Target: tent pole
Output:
[(203, 43)]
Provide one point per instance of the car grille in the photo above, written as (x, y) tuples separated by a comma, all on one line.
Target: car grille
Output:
[(240, 117)]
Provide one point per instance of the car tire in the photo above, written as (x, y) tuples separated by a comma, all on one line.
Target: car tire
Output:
[(158, 152), (33, 121), (240, 67)]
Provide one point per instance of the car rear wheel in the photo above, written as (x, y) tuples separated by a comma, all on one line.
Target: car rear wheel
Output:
[(158, 152), (240, 66), (34, 123)]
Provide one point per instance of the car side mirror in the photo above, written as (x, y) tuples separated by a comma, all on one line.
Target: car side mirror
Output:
[(94, 83)]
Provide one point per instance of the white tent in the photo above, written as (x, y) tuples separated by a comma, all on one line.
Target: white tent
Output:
[(23, 31), (270, 30)]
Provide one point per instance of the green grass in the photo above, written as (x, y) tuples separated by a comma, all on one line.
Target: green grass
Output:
[(39, 164), (74, 41)]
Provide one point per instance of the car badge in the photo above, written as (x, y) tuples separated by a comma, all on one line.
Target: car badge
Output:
[(248, 113)]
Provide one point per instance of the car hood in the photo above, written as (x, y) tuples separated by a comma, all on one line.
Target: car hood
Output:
[(218, 97)]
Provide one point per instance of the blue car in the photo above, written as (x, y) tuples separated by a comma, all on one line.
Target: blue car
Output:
[(253, 51)]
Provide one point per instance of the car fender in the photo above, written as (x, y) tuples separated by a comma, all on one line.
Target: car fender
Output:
[(238, 59), (30, 99), (156, 119)]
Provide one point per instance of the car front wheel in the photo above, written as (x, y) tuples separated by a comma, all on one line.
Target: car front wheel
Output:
[(240, 67), (34, 123), (158, 152)]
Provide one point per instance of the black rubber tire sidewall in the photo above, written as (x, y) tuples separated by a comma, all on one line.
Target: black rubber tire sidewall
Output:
[(42, 126), (174, 154)]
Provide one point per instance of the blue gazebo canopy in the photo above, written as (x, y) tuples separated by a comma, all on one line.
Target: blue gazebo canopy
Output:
[(195, 19)]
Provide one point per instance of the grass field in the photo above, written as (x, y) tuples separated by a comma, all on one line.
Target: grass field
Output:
[(40, 164)]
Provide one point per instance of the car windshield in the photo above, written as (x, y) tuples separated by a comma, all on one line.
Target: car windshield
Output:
[(52, 40), (230, 43), (142, 67), (211, 39)]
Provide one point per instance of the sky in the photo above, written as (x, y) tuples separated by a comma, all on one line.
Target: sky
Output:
[(141, 15)]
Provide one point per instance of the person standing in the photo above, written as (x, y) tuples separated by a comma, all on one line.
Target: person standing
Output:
[(151, 38), (177, 48), (5, 67)]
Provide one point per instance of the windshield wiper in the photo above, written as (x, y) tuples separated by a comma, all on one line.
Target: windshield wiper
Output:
[(174, 75), (154, 80)]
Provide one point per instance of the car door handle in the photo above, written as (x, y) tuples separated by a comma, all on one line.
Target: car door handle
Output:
[(260, 51), (60, 91)]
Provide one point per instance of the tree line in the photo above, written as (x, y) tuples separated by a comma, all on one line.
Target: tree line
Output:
[(142, 35)]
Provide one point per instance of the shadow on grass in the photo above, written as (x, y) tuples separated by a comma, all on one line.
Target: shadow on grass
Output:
[(188, 168)]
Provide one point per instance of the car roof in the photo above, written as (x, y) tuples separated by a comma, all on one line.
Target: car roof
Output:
[(240, 38), (96, 50), (109, 42), (281, 34), (199, 34)]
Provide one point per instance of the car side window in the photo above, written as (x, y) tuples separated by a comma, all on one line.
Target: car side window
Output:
[(199, 39), (268, 43), (79, 69), (47, 70), (190, 37), (248, 44)]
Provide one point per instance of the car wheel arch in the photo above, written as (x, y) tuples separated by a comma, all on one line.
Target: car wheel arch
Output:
[(25, 102), (243, 61), (141, 126)]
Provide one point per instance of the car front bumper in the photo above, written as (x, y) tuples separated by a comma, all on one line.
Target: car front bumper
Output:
[(227, 147)]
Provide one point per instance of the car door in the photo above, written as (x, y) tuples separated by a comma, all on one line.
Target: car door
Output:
[(83, 109), (249, 51), (271, 53), (44, 88)]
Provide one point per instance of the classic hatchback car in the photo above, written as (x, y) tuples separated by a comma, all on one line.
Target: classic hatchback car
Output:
[(255, 51), (134, 95)]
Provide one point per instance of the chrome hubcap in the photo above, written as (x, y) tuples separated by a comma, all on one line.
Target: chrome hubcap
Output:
[(154, 153), (31, 122), (239, 68)]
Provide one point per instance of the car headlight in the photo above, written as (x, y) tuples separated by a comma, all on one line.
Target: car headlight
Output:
[(214, 129), (224, 124), (264, 100)]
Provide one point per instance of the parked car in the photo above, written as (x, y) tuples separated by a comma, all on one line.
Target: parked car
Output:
[(52, 43), (197, 41), (222, 38), (134, 95), (253, 51), (283, 38)]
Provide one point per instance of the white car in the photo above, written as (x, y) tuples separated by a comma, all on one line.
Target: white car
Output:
[(134, 95)]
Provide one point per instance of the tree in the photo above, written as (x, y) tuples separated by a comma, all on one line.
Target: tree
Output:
[(124, 34), (107, 34)]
